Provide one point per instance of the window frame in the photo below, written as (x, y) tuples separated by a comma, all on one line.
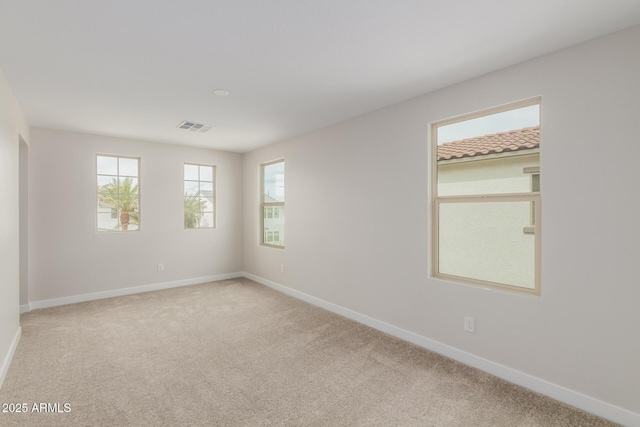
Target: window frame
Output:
[(117, 215), (264, 205), (214, 193), (437, 201)]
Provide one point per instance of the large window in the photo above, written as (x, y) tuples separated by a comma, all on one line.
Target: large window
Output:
[(486, 197), (118, 193), (199, 196), (272, 204)]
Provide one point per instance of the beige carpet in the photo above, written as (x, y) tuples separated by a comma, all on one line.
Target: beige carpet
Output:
[(236, 353)]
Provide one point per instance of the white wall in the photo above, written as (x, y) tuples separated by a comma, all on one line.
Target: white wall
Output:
[(13, 127), (24, 221), (358, 214), (67, 256)]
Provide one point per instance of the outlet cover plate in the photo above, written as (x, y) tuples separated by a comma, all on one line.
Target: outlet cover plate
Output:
[(469, 324)]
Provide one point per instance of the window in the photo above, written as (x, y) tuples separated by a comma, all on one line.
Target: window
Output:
[(482, 200), (118, 193), (199, 196), (272, 203)]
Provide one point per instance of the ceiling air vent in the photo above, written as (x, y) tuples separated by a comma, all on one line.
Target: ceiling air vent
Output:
[(195, 127)]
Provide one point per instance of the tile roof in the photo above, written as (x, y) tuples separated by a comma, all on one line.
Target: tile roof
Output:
[(515, 140)]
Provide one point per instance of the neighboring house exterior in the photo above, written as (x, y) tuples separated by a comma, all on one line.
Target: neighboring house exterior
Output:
[(273, 222), (108, 218), (471, 242)]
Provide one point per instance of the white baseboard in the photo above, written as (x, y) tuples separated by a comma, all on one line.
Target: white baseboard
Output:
[(7, 360), (555, 391), (34, 305)]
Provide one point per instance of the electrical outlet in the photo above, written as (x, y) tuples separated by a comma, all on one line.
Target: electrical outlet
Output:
[(469, 324), (160, 266), (281, 268)]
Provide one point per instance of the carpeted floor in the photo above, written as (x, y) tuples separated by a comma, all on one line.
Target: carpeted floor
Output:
[(236, 353)]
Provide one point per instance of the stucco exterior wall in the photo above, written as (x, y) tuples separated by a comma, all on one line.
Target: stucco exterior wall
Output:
[(487, 241)]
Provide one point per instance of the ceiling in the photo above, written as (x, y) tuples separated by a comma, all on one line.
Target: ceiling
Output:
[(138, 68)]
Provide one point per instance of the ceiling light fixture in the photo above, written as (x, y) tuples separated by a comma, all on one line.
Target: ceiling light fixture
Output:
[(221, 92)]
